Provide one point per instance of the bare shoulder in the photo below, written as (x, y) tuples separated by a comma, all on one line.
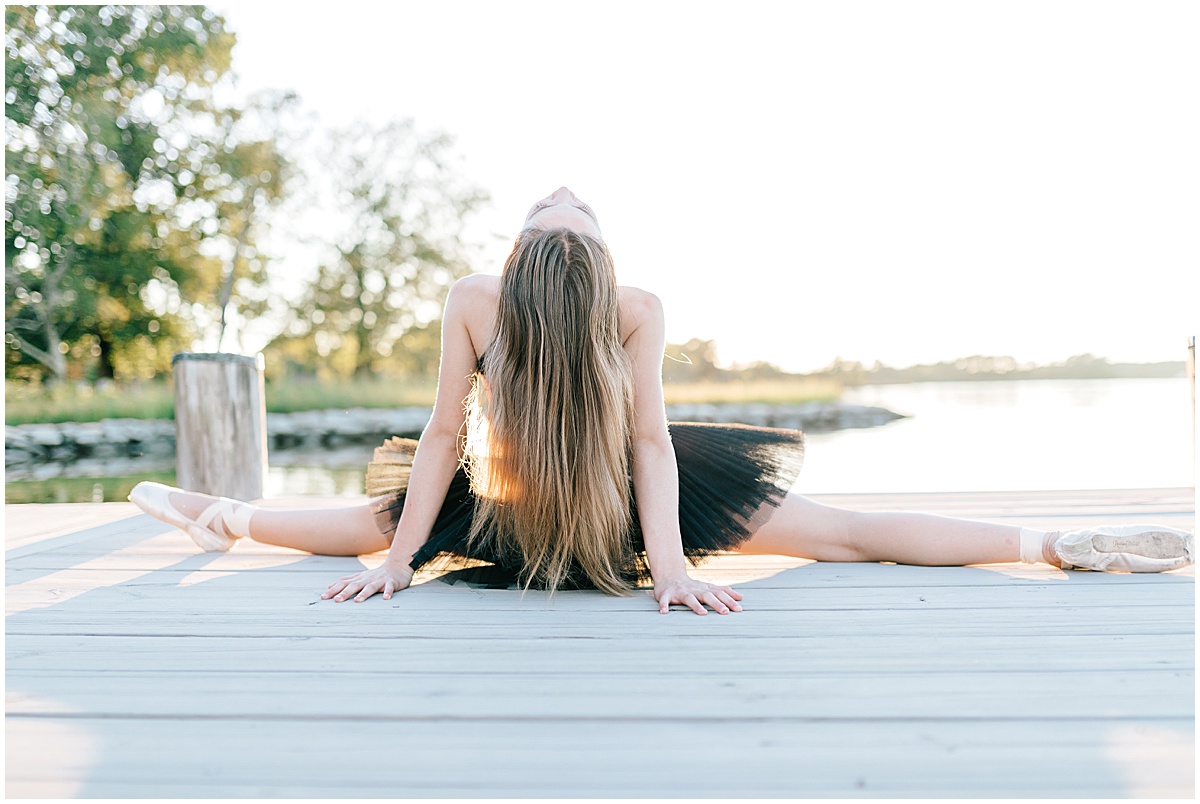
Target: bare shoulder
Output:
[(476, 289), (638, 307), (473, 301)]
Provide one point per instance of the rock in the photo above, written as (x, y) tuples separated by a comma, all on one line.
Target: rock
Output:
[(348, 423), (119, 430), (16, 455), (159, 447), (858, 416), (811, 416), (308, 421), (44, 471), (64, 453), (88, 434), (46, 435), (289, 440), (410, 421), (17, 438), (106, 449), (379, 422), (280, 424), (161, 428)]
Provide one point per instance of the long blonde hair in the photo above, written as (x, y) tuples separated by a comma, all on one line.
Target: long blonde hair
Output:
[(549, 426)]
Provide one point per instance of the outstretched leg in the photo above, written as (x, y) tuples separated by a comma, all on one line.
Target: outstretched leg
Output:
[(806, 529), (348, 531)]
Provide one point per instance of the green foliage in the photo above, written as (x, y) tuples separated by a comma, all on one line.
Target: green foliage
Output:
[(130, 194), (696, 362), (252, 175), (393, 245), (26, 403), (693, 361), (379, 392), (418, 351)]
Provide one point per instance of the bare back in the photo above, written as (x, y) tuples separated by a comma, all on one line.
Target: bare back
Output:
[(485, 302), (469, 325)]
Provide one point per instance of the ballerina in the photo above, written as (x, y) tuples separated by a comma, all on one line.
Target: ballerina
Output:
[(548, 456)]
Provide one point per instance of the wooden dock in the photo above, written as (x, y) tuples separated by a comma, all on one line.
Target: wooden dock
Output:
[(140, 667)]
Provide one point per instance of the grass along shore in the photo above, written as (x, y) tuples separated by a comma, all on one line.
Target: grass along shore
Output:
[(28, 404)]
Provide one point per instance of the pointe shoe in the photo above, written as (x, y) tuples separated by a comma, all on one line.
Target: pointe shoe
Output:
[(208, 529), (1126, 548)]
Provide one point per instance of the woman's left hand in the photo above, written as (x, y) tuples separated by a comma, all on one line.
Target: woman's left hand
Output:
[(687, 591)]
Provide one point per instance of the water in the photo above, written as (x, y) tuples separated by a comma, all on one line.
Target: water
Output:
[(1004, 436), (963, 436)]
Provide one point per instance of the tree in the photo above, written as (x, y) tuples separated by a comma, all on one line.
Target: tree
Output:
[(121, 176), (693, 361), (418, 351), (394, 243), (253, 173)]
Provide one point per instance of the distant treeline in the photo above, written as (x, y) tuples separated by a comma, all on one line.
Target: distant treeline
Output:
[(983, 367), (694, 361)]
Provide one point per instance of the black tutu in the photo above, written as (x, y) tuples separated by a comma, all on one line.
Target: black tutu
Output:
[(732, 477)]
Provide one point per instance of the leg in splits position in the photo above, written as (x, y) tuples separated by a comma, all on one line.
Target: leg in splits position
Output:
[(800, 527), (216, 523), (806, 529)]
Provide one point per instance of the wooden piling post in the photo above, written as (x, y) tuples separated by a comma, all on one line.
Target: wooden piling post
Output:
[(220, 424)]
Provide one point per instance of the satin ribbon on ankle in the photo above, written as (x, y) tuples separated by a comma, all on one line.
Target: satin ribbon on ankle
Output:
[(1031, 546)]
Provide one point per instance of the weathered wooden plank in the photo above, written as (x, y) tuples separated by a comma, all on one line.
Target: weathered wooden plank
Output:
[(282, 562), (133, 597), (751, 566), (724, 693), (1048, 503), (122, 531), (1047, 757), (280, 592), (25, 524), (1036, 651), (341, 619), (987, 496), (292, 561), (541, 630), (182, 561)]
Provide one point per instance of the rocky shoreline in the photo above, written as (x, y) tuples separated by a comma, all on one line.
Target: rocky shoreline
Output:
[(121, 446)]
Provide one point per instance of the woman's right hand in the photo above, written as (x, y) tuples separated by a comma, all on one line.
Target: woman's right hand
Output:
[(686, 591), (386, 578)]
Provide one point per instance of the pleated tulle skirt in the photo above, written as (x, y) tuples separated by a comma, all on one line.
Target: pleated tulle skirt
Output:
[(732, 477)]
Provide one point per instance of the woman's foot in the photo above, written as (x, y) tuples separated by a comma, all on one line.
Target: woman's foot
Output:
[(214, 523), (1122, 548)]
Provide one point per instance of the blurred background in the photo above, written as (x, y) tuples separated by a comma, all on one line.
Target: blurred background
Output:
[(982, 217)]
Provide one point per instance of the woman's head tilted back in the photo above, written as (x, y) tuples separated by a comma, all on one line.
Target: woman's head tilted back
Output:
[(550, 465), (562, 209)]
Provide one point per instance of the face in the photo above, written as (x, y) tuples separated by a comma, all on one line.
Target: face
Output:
[(562, 209)]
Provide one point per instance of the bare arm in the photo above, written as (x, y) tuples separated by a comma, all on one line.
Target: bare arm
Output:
[(437, 456), (436, 459), (656, 473)]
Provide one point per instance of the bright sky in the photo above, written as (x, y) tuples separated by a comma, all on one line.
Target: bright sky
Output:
[(902, 181)]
